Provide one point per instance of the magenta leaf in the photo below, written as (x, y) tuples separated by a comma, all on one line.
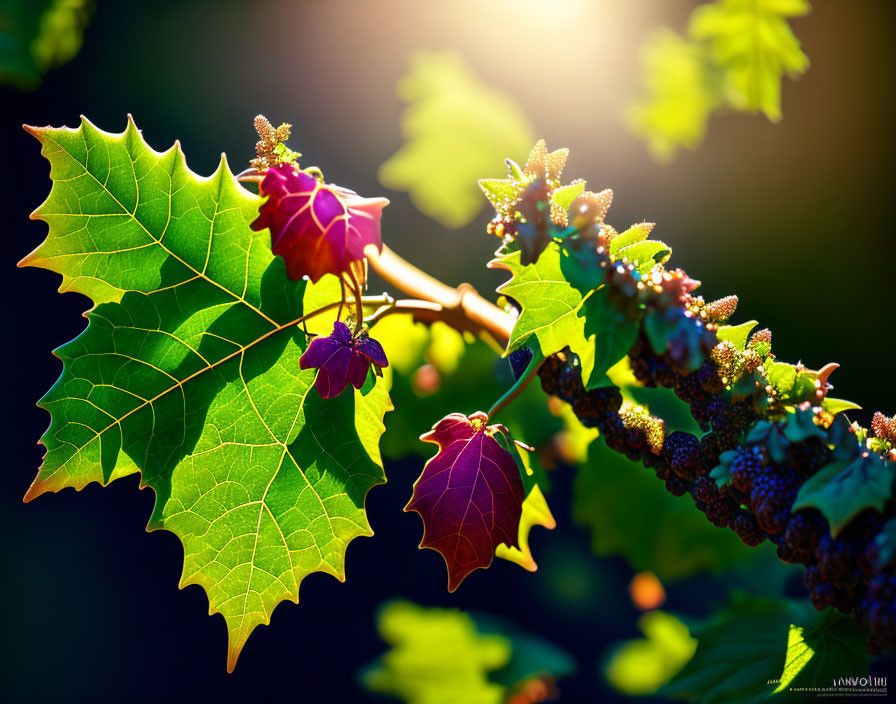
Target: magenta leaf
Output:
[(317, 228), (342, 360), (469, 495)]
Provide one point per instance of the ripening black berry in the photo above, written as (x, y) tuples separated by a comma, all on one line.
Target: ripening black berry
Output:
[(682, 451), (709, 446), (745, 468), (705, 490), (803, 531), (677, 486), (569, 384), (519, 360), (747, 528), (549, 373), (720, 512), (597, 402)]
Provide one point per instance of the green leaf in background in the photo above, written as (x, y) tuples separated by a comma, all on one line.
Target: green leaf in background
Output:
[(643, 665), (530, 655), (735, 55), (446, 656), (455, 129), (630, 513), (436, 656), (39, 35), (555, 313), (758, 649), (844, 488), (188, 372), (680, 92), (535, 507), (755, 45)]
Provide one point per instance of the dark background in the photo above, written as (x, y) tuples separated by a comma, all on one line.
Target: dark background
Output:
[(796, 218)]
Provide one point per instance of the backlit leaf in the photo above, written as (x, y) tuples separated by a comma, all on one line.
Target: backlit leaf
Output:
[(469, 495), (838, 405), (756, 648), (737, 335), (455, 129), (755, 45), (189, 373), (634, 234), (554, 312), (680, 93)]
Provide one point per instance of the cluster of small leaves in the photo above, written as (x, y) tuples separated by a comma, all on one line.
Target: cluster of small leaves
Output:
[(735, 55)]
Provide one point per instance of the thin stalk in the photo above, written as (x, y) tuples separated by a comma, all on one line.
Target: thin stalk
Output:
[(519, 386), (462, 305), (403, 306)]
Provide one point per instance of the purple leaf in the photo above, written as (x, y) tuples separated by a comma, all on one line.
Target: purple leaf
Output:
[(469, 495), (317, 228), (342, 360)]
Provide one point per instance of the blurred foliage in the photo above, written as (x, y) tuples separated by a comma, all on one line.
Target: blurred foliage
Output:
[(39, 35), (447, 656), (437, 656), (643, 665), (530, 655), (760, 647), (630, 513), (752, 42), (456, 128), (680, 95), (735, 55)]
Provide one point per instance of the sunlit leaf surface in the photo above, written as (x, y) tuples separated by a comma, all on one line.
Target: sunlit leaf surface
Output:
[(188, 372)]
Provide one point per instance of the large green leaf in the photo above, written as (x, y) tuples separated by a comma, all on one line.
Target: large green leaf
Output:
[(759, 649), (557, 313), (188, 372)]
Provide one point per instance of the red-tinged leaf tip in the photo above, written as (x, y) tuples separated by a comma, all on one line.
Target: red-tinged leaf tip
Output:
[(469, 495), (317, 228)]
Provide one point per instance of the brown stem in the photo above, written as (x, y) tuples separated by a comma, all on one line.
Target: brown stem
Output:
[(462, 307)]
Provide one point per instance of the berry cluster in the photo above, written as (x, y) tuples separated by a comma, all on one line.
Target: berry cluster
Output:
[(846, 572)]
